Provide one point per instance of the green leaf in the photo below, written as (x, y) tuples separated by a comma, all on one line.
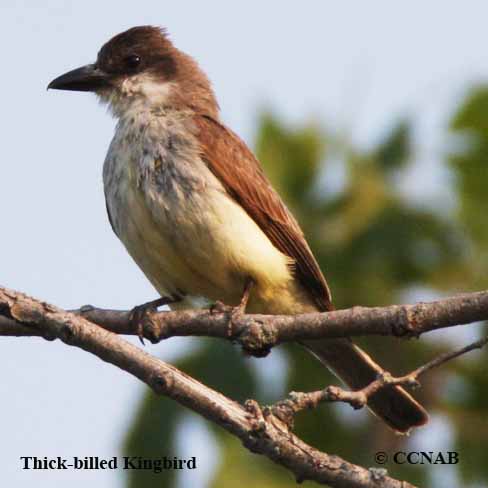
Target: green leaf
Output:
[(394, 151)]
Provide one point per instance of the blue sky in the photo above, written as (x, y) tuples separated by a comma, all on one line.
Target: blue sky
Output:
[(355, 66)]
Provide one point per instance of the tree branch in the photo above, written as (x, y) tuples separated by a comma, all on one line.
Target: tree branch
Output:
[(257, 334), (297, 401), (260, 430)]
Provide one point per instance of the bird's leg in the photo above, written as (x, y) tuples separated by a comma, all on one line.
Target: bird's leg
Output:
[(221, 307), (139, 312), (236, 311), (241, 308)]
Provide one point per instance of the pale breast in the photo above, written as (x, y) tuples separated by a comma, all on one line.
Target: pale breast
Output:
[(132, 160), (180, 226)]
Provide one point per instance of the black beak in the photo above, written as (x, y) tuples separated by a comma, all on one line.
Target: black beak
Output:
[(86, 78)]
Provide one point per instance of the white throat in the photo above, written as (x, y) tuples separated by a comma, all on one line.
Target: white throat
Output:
[(136, 94)]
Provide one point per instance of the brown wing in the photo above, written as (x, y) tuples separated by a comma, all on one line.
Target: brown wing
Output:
[(243, 178)]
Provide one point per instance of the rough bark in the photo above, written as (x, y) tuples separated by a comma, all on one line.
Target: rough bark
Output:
[(264, 431)]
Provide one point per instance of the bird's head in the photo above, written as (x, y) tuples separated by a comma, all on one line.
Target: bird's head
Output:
[(140, 69)]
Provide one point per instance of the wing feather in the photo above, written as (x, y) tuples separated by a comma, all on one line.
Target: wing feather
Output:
[(243, 178)]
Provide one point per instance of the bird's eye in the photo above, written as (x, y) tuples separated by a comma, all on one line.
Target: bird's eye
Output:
[(133, 61)]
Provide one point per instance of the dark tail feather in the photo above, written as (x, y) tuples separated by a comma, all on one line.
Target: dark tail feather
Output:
[(353, 366)]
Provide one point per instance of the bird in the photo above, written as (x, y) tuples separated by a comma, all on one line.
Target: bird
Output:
[(195, 210)]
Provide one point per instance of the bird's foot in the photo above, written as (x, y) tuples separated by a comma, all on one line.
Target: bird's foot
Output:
[(234, 312), (140, 313), (220, 307)]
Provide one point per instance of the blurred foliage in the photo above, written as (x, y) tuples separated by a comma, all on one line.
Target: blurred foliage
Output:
[(375, 248)]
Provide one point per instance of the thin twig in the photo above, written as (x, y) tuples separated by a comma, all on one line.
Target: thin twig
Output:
[(298, 401)]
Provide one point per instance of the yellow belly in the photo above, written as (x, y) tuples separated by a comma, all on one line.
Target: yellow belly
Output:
[(208, 249)]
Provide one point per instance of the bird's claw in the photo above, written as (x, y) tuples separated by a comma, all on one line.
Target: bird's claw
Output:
[(137, 317), (140, 313)]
